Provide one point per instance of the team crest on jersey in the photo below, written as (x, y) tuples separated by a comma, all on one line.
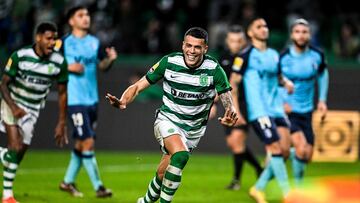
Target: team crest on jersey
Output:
[(8, 65), (238, 62), (51, 68), (152, 69), (204, 80)]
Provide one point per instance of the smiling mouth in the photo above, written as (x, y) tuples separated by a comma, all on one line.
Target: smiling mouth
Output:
[(191, 58)]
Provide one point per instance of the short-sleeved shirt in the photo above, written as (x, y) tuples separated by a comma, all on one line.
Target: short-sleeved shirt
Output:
[(302, 69), (188, 92), (260, 76), (32, 77), (82, 88)]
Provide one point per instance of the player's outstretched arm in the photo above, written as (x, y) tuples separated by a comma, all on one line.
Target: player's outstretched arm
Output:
[(61, 136), (129, 94), (110, 58), (230, 116)]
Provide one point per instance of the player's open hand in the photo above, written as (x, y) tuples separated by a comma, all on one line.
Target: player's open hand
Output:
[(18, 112), (115, 102), (61, 136), (229, 118), (289, 86), (322, 108), (111, 53)]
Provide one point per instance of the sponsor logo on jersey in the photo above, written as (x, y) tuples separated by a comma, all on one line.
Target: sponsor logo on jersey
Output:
[(187, 95)]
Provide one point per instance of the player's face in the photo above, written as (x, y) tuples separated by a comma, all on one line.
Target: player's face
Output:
[(235, 41), (194, 50), (80, 20), (46, 42), (259, 30), (300, 35)]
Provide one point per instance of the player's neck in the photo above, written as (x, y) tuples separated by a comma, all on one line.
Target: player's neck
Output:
[(38, 51), (261, 45), (79, 33), (299, 49)]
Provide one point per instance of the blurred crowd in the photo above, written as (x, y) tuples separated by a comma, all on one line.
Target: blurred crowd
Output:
[(156, 26)]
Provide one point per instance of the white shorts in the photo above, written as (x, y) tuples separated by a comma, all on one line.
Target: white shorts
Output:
[(163, 128), (26, 124)]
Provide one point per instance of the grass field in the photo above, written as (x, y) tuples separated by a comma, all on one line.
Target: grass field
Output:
[(128, 174)]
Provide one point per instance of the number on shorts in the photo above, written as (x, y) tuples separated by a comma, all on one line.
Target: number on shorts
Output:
[(264, 122), (77, 119)]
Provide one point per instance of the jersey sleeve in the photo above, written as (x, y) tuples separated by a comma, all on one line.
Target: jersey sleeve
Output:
[(252, 83), (156, 72), (63, 76), (221, 82), (241, 62), (12, 65)]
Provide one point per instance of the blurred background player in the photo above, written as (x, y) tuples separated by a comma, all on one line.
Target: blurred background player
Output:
[(24, 86), (260, 75), (82, 52), (236, 136), (303, 64), (191, 81)]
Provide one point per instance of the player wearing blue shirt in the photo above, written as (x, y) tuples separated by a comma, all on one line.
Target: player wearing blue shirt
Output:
[(303, 65), (260, 74), (82, 54)]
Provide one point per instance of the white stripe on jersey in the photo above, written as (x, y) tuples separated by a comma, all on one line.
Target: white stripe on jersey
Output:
[(191, 123), (177, 60), (35, 106), (45, 69), (39, 87), (208, 65), (184, 78), (29, 95), (209, 94), (27, 52), (187, 110)]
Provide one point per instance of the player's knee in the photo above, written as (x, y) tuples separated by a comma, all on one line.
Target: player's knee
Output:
[(179, 159)]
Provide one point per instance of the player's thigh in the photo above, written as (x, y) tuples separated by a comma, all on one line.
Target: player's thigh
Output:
[(85, 144), (174, 143), (15, 139)]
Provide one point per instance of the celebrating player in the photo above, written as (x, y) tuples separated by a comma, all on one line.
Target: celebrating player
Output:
[(191, 81), (24, 87)]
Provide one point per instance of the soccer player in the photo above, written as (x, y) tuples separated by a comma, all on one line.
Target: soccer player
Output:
[(259, 71), (236, 136), (82, 52), (303, 64), (191, 81), (25, 84)]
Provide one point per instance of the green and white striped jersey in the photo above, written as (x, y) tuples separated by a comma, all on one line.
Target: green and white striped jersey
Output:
[(32, 77), (188, 92)]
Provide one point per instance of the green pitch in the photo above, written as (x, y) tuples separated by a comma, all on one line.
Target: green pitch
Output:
[(128, 175)]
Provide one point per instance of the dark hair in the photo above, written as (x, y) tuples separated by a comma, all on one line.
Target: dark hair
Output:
[(198, 32), (41, 28), (71, 12), (236, 29), (251, 21)]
